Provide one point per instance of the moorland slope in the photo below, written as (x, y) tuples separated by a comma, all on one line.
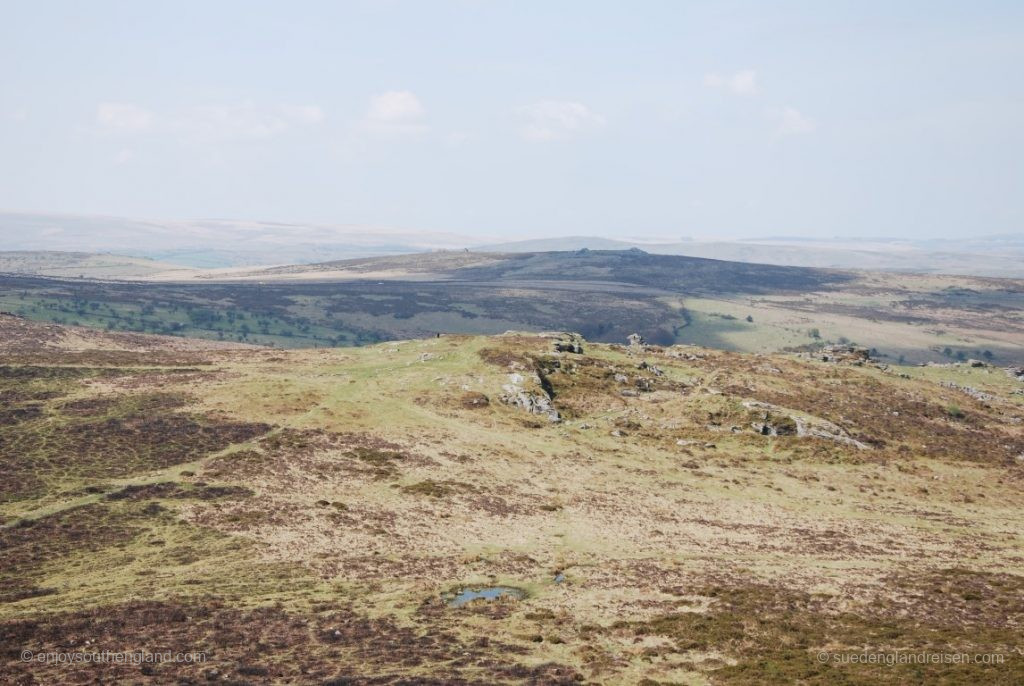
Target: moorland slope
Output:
[(675, 514)]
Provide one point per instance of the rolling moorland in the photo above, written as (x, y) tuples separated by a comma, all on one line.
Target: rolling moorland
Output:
[(604, 295), (222, 243), (643, 513)]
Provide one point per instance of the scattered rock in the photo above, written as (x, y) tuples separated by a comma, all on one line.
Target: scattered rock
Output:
[(653, 369), (973, 392), (645, 385)]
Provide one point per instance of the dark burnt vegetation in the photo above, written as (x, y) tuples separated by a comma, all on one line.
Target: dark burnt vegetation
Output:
[(690, 274), (180, 491), (437, 489), (776, 633), (28, 546), (102, 436), (330, 643)]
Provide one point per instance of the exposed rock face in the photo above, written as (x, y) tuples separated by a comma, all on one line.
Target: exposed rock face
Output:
[(1016, 372), (534, 402)]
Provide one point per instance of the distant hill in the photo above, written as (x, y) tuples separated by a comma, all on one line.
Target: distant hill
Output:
[(999, 256), (80, 264), (212, 243), (633, 266), (222, 244)]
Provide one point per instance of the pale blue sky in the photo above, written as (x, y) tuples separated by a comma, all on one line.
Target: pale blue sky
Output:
[(521, 119)]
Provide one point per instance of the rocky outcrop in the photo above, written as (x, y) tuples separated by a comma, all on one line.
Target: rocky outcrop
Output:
[(850, 354), (635, 341), (565, 342), (775, 425), (777, 421), (533, 401)]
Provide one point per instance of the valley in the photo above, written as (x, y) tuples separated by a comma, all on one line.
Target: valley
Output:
[(604, 295)]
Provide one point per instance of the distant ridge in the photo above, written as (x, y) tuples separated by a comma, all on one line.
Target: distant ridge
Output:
[(223, 243), (994, 256)]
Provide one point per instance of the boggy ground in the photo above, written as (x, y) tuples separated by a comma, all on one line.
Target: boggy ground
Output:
[(695, 516)]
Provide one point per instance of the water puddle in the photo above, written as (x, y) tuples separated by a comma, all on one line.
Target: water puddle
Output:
[(489, 593)]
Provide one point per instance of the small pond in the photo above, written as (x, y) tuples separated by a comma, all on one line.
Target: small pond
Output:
[(466, 595)]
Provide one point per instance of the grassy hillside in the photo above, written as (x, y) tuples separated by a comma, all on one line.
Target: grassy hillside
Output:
[(80, 265), (694, 516)]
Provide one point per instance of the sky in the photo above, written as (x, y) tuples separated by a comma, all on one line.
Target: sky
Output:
[(522, 119)]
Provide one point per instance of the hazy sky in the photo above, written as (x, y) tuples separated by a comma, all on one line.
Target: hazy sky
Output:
[(518, 119)]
